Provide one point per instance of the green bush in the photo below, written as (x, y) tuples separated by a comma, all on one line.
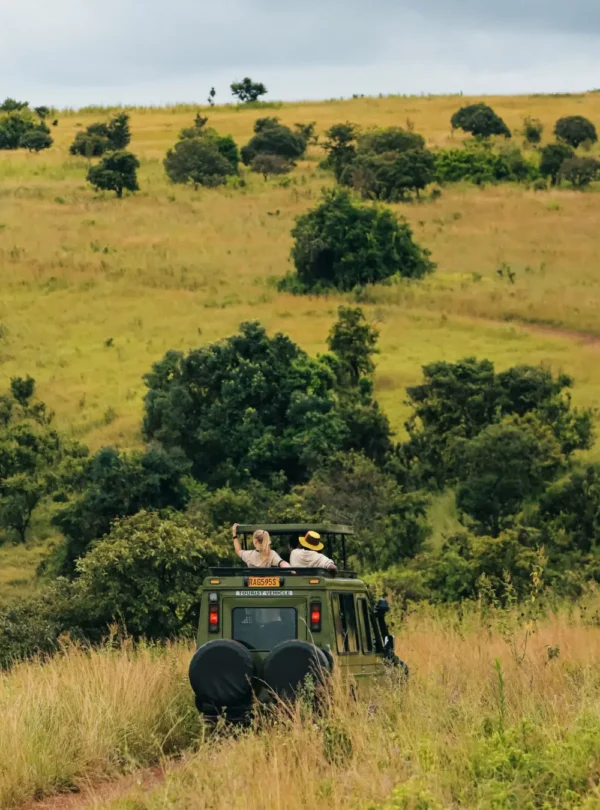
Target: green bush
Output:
[(389, 523), (575, 130), (224, 144), (35, 140), (479, 120), (117, 171), (198, 161), (482, 166), (570, 510), (113, 485), (390, 139), (147, 574), (341, 244), (268, 165), (99, 138), (34, 458), (579, 172), (391, 176), (340, 148), (274, 140), (504, 466), (552, 158), (89, 145), (533, 129), (15, 125)]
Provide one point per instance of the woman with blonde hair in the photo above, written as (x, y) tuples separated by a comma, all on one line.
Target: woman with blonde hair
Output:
[(262, 555)]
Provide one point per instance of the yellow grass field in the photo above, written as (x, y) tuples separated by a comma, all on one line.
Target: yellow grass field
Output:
[(499, 714), (174, 268)]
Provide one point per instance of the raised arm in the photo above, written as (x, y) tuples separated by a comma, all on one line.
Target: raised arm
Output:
[(236, 543)]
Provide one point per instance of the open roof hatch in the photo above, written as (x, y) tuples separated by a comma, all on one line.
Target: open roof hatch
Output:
[(329, 533)]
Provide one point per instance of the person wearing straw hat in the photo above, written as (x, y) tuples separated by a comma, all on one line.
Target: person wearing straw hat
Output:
[(309, 554)]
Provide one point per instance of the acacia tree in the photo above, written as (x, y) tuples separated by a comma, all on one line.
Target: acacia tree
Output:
[(117, 171), (247, 90)]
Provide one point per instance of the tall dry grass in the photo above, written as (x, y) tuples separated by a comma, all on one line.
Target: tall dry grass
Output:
[(88, 715), (498, 713), (484, 723)]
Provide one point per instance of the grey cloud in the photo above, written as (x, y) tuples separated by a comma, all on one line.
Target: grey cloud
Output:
[(71, 51)]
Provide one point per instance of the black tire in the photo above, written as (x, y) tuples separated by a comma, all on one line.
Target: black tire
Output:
[(289, 663), (220, 675)]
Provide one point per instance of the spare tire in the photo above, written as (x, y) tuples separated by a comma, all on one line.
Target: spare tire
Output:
[(288, 664), (220, 674)]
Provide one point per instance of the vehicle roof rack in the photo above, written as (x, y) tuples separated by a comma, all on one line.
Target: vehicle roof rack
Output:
[(244, 571), (276, 529)]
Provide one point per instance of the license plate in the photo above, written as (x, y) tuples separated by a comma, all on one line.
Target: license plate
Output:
[(264, 582)]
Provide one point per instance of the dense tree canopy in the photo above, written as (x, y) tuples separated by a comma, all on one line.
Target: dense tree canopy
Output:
[(256, 407), (504, 466), (113, 484), (459, 400)]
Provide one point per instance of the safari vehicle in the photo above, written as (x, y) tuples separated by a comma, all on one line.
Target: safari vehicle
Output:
[(263, 630)]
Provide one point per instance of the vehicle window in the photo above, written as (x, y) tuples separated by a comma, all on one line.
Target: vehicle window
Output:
[(366, 634), (344, 617), (259, 628)]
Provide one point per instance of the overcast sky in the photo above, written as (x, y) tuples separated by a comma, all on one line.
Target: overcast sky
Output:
[(77, 52)]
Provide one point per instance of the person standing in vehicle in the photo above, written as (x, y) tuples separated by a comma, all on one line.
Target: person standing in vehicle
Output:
[(309, 555), (262, 555)]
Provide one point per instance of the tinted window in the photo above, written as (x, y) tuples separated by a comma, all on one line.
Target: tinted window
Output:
[(344, 618), (263, 628), (366, 635)]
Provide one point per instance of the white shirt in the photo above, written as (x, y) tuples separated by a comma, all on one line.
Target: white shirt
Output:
[(304, 558), (253, 559)]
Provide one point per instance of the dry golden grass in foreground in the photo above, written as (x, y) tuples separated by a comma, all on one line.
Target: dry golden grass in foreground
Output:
[(497, 714)]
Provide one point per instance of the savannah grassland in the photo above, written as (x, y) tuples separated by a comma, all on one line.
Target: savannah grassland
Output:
[(500, 712), (93, 290)]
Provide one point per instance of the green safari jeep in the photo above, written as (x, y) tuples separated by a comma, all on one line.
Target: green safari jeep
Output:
[(263, 630)]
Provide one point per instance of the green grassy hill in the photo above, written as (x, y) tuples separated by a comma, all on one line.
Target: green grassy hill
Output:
[(93, 289)]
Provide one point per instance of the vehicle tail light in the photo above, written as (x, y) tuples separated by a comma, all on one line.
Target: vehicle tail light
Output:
[(315, 617), (213, 617)]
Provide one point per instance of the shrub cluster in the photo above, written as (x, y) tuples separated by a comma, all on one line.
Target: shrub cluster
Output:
[(22, 128), (273, 138), (202, 157), (101, 137)]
